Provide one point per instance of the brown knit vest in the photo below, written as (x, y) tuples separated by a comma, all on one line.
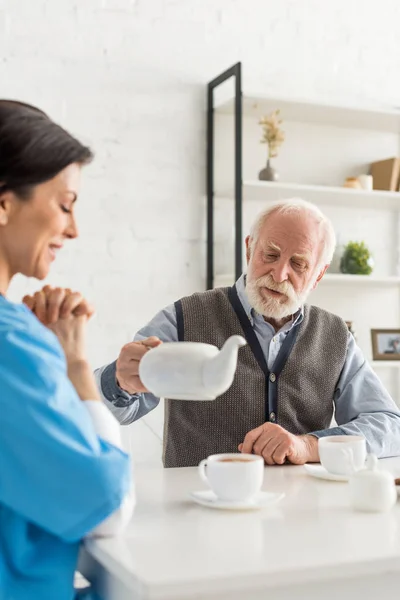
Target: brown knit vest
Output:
[(305, 386)]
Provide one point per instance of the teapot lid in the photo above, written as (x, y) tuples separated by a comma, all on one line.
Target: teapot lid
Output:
[(371, 470)]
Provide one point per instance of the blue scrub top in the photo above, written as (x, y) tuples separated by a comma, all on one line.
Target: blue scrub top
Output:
[(58, 479)]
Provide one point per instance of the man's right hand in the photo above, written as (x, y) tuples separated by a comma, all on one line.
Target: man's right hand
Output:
[(128, 364)]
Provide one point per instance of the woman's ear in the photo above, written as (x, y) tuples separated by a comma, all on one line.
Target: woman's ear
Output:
[(5, 206)]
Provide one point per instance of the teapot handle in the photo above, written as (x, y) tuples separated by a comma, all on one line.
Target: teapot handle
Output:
[(202, 471)]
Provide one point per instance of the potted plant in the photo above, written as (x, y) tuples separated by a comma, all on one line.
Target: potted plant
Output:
[(356, 259), (273, 136)]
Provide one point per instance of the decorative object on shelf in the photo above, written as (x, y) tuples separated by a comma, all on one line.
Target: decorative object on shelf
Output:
[(386, 174), (366, 182), (274, 137), (356, 259), (351, 329), (352, 182), (385, 344), (268, 173)]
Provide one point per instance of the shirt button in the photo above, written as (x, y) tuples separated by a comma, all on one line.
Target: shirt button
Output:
[(272, 417), (272, 377)]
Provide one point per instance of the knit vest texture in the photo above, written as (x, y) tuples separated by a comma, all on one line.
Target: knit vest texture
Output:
[(305, 386)]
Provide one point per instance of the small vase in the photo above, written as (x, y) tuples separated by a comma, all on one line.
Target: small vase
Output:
[(268, 173)]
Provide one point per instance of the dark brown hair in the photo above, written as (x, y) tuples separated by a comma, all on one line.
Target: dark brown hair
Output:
[(33, 149)]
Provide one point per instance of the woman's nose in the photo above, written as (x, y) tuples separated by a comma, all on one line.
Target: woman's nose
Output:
[(72, 229)]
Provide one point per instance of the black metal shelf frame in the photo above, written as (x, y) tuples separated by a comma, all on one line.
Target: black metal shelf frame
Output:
[(236, 72)]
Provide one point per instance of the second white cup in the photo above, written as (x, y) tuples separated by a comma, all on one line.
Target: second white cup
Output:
[(342, 454), (233, 477)]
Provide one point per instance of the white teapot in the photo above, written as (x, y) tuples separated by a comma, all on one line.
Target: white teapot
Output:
[(190, 370)]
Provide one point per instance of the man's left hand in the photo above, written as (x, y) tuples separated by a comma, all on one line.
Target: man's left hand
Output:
[(276, 445)]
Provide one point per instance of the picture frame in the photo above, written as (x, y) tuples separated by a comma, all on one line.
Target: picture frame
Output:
[(385, 344)]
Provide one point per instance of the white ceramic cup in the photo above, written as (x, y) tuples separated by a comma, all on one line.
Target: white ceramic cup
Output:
[(366, 182), (233, 477), (342, 454)]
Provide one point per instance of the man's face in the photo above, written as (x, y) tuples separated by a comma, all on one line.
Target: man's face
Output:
[(282, 263)]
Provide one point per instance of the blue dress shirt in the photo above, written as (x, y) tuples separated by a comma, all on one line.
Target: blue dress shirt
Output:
[(362, 404)]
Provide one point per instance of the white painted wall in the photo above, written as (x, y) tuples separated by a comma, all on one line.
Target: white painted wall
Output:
[(128, 76)]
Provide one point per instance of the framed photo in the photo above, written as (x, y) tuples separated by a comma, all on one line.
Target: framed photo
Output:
[(385, 344)]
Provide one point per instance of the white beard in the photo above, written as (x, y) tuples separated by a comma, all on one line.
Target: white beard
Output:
[(275, 308)]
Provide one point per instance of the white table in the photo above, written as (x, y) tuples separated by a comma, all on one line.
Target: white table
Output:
[(311, 545)]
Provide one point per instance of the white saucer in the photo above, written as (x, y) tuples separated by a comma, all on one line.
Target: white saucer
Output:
[(261, 500), (321, 473)]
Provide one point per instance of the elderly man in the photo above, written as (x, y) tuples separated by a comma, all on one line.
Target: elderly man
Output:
[(300, 367)]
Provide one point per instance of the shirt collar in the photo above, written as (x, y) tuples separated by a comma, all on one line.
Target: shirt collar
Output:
[(252, 314)]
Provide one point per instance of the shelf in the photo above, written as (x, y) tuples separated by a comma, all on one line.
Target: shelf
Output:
[(269, 191), (226, 280), (374, 118), (360, 279)]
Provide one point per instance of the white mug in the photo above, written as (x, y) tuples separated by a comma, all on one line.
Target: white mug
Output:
[(233, 477), (342, 454), (366, 182)]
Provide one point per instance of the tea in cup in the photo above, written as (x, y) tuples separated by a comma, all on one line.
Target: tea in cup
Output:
[(342, 454), (233, 477)]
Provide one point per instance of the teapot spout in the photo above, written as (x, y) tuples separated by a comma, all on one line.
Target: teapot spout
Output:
[(218, 372)]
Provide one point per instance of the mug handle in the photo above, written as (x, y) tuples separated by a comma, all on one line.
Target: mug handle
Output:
[(202, 471)]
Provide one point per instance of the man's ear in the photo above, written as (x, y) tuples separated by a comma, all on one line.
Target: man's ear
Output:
[(248, 248), (320, 276)]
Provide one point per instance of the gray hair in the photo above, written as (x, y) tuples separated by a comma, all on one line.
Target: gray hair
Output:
[(297, 205)]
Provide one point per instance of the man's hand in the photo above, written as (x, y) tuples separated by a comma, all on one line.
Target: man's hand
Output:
[(276, 445), (52, 304), (128, 364)]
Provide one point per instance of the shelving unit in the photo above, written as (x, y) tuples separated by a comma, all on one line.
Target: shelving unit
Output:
[(324, 144), (254, 105)]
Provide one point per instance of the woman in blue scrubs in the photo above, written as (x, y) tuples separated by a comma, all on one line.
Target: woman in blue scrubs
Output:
[(63, 474)]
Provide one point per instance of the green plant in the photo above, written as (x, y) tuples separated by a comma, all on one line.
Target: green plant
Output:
[(356, 259)]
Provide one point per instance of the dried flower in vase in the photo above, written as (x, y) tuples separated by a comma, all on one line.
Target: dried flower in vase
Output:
[(273, 135)]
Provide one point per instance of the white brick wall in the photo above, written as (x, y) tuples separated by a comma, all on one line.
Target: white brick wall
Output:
[(128, 76)]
